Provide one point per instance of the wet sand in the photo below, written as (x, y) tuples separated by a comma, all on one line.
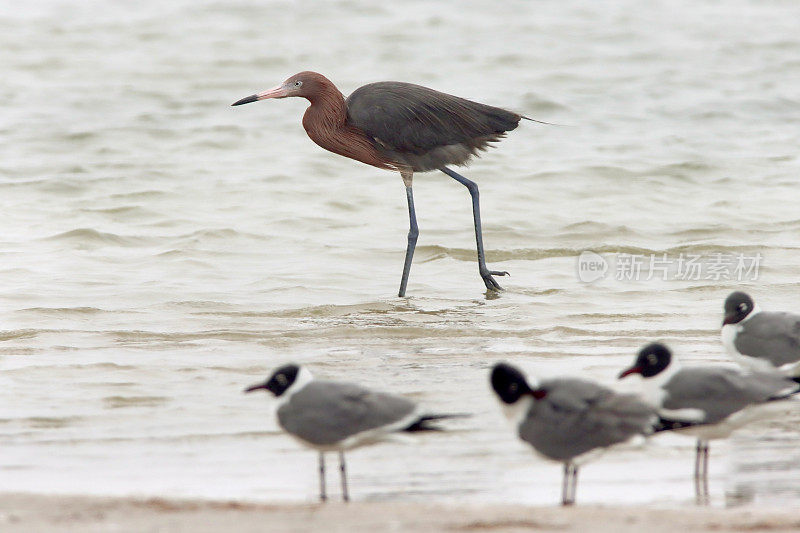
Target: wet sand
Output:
[(38, 513)]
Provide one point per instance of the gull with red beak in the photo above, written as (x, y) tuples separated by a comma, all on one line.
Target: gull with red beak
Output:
[(710, 401), (570, 420), (330, 416)]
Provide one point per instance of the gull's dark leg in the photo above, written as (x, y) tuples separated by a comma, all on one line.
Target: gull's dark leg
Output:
[(343, 472), (413, 231), (697, 459), (486, 274), (701, 491), (322, 495), (568, 484), (706, 493), (573, 492)]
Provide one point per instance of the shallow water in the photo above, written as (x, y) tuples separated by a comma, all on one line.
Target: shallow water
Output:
[(162, 250)]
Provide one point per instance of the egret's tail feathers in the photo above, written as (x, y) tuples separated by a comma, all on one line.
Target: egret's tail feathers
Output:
[(543, 122)]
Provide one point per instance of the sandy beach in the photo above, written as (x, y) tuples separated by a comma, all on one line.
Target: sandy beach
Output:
[(37, 513)]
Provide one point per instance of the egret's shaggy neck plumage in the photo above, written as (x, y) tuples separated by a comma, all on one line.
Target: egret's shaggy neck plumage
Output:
[(325, 122)]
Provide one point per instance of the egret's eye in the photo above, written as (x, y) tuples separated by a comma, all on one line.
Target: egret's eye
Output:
[(298, 83), (742, 307)]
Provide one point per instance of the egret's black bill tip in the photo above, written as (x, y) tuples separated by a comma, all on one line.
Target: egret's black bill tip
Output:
[(246, 100)]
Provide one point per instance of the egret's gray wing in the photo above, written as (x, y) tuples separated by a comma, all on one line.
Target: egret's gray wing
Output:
[(577, 416), (416, 124), (325, 413), (720, 392), (774, 337)]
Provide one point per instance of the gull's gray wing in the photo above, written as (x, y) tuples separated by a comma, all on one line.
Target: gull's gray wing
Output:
[(774, 337), (577, 416), (325, 413), (719, 392)]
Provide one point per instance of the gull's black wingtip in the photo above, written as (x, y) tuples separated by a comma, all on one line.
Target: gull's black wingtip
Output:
[(423, 423), (246, 100)]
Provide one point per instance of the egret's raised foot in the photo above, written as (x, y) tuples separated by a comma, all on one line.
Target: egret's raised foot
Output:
[(490, 282)]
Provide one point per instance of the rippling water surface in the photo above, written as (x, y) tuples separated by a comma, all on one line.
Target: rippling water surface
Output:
[(160, 250)]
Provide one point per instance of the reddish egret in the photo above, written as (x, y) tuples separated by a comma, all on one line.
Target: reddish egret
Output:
[(403, 127)]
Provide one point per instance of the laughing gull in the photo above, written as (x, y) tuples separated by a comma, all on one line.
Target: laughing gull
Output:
[(760, 340), (711, 402), (330, 416), (565, 419)]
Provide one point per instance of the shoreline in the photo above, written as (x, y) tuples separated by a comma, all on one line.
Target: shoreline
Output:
[(33, 513)]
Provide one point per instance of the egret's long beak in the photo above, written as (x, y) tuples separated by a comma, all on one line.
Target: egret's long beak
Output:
[(256, 387), (276, 92), (629, 371), (729, 319)]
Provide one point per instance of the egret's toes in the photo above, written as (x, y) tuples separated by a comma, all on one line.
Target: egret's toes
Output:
[(491, 284)]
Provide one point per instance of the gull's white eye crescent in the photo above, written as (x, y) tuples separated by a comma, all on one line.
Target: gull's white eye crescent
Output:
[(652, 359), (743, 307)]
